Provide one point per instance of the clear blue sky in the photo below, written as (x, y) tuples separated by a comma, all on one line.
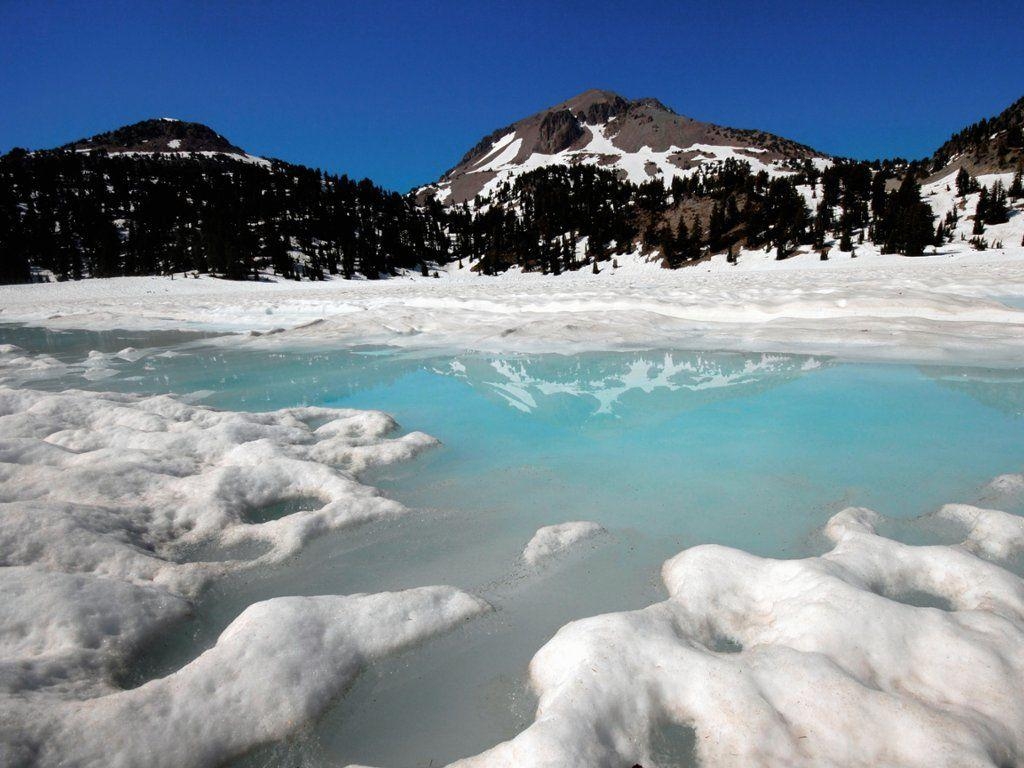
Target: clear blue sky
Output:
[(398, 91)]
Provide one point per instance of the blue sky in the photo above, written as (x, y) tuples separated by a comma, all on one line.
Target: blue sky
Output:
[(398, 91)]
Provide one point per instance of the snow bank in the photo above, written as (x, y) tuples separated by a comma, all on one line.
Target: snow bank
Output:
[(183, 474), (827, 661), (989, 532), (553, 540), (1009, 486), (103, 498), (933, 308), (275, 667)]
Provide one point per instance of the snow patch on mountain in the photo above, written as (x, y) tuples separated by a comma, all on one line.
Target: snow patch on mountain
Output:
[(641, 140), (502, 166), (173, 145)]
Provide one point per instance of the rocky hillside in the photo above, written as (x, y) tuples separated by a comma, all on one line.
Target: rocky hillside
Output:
[(991, 145), (640, 140), (160, 135)]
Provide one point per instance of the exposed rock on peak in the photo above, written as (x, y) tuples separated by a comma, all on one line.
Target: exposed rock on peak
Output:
[(558, 131), (158, 135)]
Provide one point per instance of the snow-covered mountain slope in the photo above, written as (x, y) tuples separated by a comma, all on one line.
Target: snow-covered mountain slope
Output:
[(641, 139)]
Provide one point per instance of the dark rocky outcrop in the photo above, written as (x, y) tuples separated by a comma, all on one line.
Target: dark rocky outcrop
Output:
[(558, 131), (158, 135)]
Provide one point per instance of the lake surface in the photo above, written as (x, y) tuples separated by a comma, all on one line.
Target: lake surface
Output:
[(665, 448)]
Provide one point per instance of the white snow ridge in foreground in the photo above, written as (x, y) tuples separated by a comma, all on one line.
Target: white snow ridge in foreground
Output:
[(825, 661), (101, 495), (552, 540)]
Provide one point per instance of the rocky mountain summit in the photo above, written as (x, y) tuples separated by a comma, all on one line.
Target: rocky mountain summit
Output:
[(157, 135), (640, 139)]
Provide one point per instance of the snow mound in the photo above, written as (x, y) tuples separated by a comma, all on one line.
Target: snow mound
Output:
[(1008, 486), (553, 540), (826, 661), (990, 533), (167, 474), (103, 499), (276, 666)]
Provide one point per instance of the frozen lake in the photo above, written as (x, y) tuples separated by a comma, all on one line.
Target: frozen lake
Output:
[(665, 449)]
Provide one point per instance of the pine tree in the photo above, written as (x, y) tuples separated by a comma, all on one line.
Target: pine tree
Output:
[(906, 226), (716, 228), (846, 241), (980, 212), (996, 210), (695, 246), (878, 195), (680, 245), (14, 261), (965, 183), (1016, 190), (276, 252)]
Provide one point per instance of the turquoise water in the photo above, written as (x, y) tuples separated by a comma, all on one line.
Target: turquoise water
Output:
[(666, 449)]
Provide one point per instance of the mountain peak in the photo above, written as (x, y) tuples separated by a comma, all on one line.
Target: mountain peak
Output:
[(591, 100), (165, 134), (641, 139), (603, 103)]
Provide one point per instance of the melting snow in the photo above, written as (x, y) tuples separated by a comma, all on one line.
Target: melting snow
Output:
[(793, 662), (102, 495), (552, 540)]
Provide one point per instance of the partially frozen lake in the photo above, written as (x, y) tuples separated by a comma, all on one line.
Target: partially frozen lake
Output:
[(664, 449)]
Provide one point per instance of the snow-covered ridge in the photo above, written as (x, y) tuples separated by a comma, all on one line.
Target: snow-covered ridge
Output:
[(105, 499)]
